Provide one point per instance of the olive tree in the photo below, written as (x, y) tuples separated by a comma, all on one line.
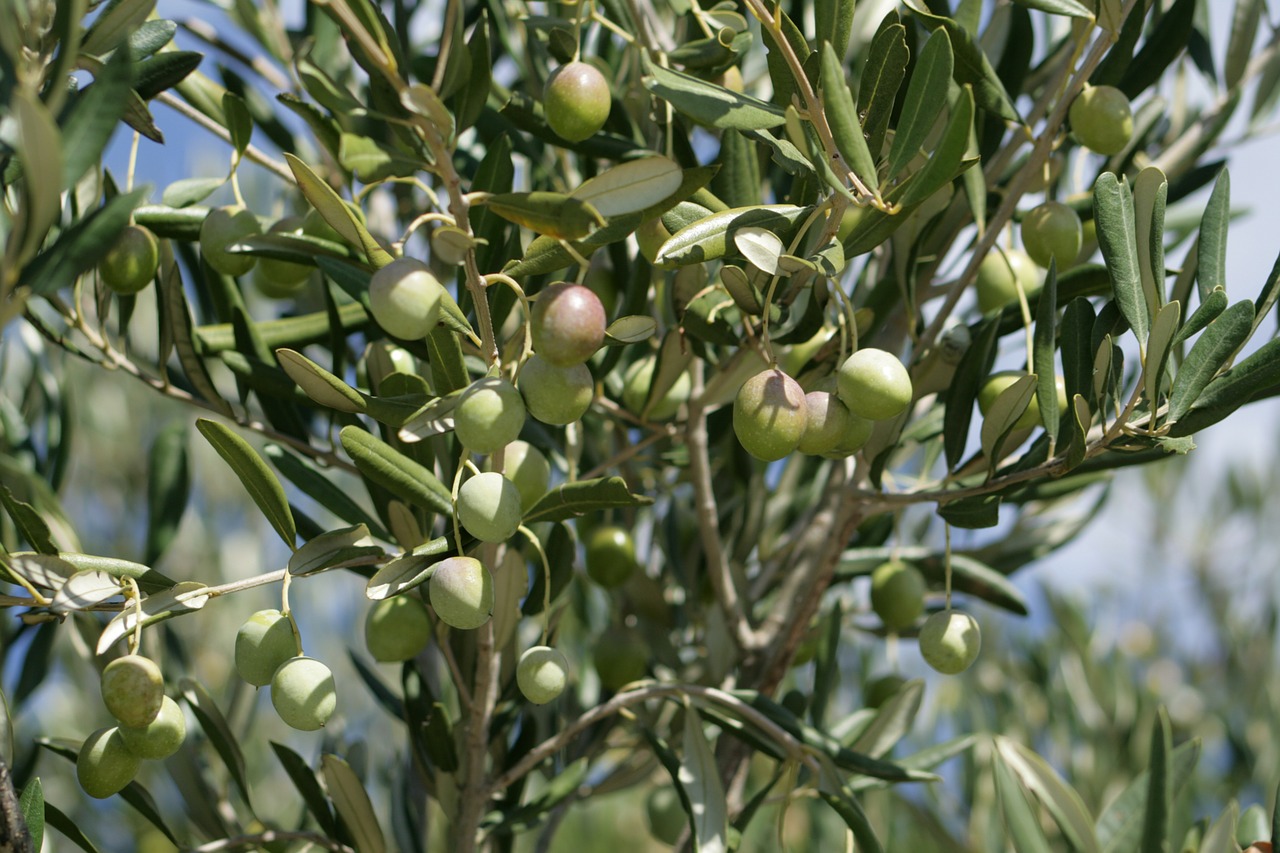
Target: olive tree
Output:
[(741, 309)]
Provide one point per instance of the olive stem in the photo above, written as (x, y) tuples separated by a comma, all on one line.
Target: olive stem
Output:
[(697, 440)]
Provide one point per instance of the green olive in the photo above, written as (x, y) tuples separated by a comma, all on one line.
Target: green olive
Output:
[(665, 813), (527, 467), (999, 276), (770, 415), (489, 507), (611, 556), (874, 384), (635, 391), (405, 299), (576, 101), (105, 765), (160, 738), (1102, 119), (264, 641), (223, 227), (133, 690), (542, 674), (461, 592), (397, 628), (489, 415), (556, 395), (303, 693), (131, 262), (897, 594), (1052, 231), (950, 641)]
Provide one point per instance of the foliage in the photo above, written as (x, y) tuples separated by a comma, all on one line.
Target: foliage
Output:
[(777, 197)]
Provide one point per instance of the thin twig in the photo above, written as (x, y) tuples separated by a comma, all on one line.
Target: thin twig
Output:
[(271, 836), (254, 153)]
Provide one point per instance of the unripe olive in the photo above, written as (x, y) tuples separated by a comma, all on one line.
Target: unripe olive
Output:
[(611, 556), (397, 628), (489, 415), (873, 383), (263, 643), (133, 689), (162, 737), (541, 674), (881, 689), (527, 467), (568, 324), (461, 592), (999, 275), (405, 299), (949, 641), (828, 424), (278, 279), (222, 227), (897, 594), (105, 764), (635, 390), (1030, 417), (1102, 119), (620, 658), (665, 813), (303, 693), (489, 507), (556, 395), (1052, 230), (576, 101), (769, 415), (131, 262)]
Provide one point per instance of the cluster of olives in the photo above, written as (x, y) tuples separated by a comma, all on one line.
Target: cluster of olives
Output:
[(773, 416), (302, 688), (949, 640), (151, 726)]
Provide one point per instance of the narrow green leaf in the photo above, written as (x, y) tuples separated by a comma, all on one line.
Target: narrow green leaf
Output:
[(700, 778), (28, 522), (317, 485), (405, 572), (448, 372), (239, 121), (892, 721), (583, 496), (335, 211), (40, 153), (709, 238), (162, 72), (305, 782), (970, 373), (839, 797), (1159, 806), (392, 470), (947, 160), (32, 805), (177, 321), (553, 214), (1257, 375), (374, 161), (321, 385), (352, 804), (93, 116), (168, 488), (1211, 351), (881, 78), (1212, 256), (115, 24), (1150, 190), (335, 549), (1019, 817), (1221, 836), (1210, 308), (1117, 237), (1119, 828), (470, 103), (216, 728), (1074, 343), (1069, 8), (1004, 413), (709, 103), (926, 96), (1163, 44), (1044, 345), (1159, 346), (972, 66), (256, 477), (149, 38), (972, 513), (842, 115), (1063, 803)]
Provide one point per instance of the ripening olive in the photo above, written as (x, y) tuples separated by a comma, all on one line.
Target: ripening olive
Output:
[(264, 641), (541, 674), (461, 592), (769, 415), (133, 689)]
